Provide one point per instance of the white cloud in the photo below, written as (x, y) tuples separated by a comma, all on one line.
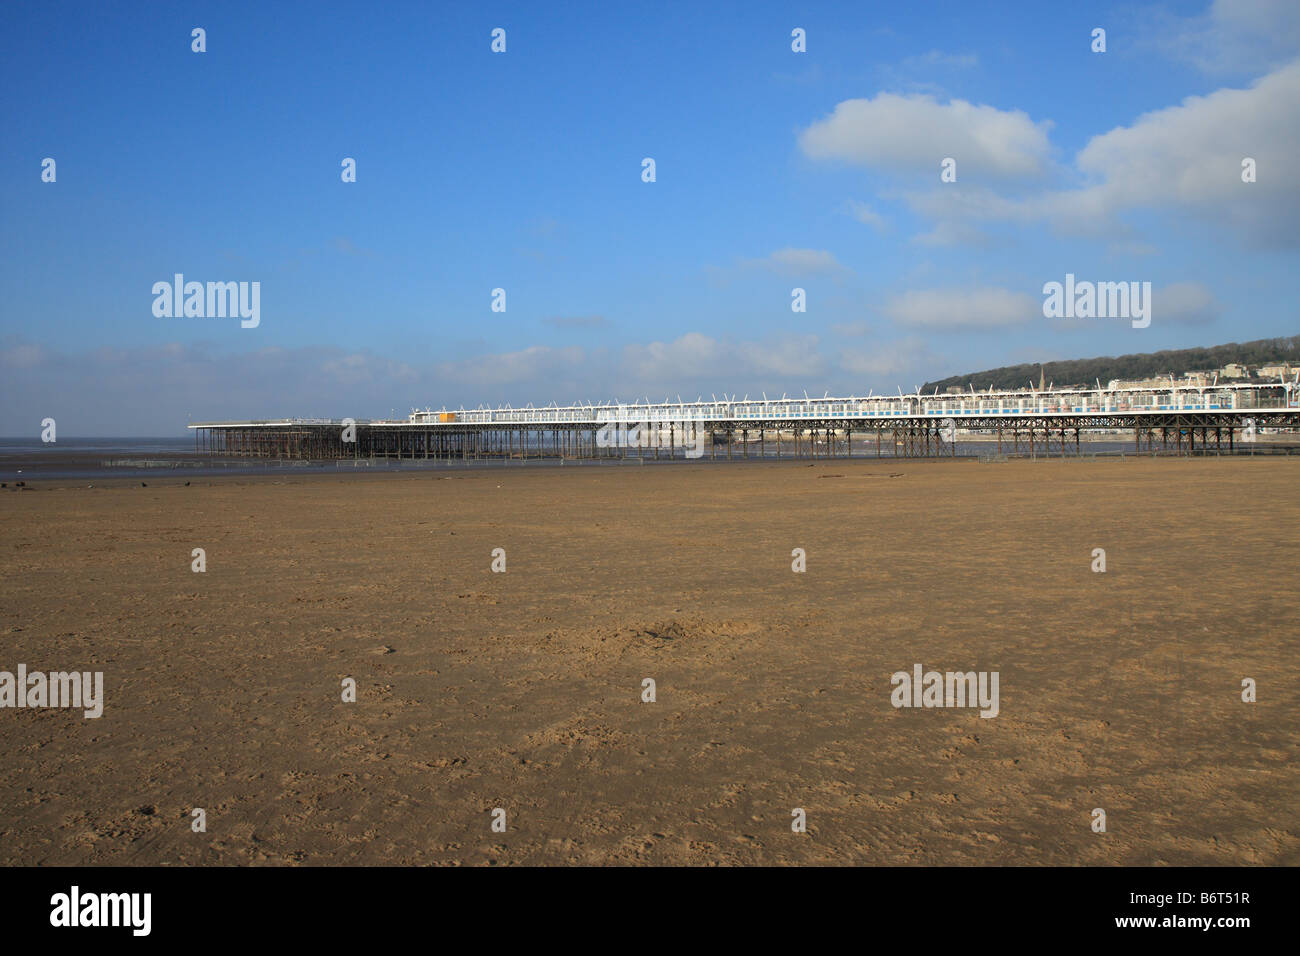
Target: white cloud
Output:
[(1179, 303), (866, 215), (23, 356), (791, 357), (1189, 157), (984, 308), (1185, 160), (949, 232), (797, 262), (361, 368), (690, 355), (1131, 249), (894, 362), (912, 134), (699, 358), (1230, 36), (155, 390), (151, 391), (1185, 303), (534, 364)]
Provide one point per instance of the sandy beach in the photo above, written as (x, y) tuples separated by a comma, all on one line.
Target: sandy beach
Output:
[(523, 690)]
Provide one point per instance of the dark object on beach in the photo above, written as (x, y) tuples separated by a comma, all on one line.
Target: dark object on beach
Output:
[(143, 485), (21, 484), (187, 484), (3, 484)]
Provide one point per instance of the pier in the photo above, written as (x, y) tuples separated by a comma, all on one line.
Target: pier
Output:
[(1175, 419)]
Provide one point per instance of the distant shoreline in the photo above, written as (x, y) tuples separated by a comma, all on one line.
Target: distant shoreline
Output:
[(76, 467)]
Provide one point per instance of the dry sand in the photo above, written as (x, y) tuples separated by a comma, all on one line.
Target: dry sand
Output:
[(523, 690)]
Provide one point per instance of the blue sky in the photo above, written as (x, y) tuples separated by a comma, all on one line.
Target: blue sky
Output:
[(522, 170)]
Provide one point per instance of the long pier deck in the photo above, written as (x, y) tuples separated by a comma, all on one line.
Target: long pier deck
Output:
[(1177, 418)]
